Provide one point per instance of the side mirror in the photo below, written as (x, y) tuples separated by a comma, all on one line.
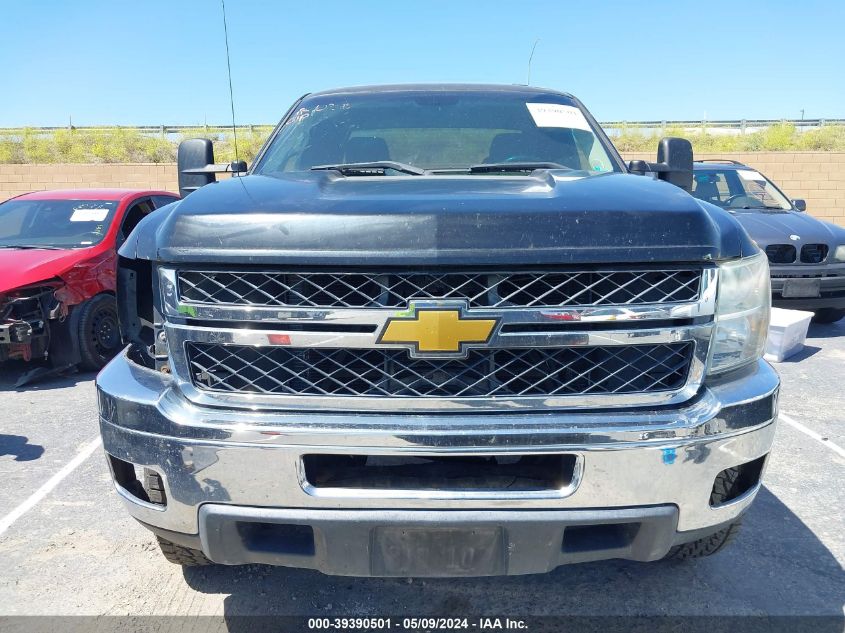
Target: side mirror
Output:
[(799, 204), (674, 163), (639, 167), (676, 155), (238, 166), (193, 160)]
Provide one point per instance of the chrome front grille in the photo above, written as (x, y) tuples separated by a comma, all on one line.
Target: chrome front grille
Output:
[(562, 339), (479, 289), (485, 373)]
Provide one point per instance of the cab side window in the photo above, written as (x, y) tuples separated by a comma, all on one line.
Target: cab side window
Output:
[(711, 186), (133, 215), (160, 201)]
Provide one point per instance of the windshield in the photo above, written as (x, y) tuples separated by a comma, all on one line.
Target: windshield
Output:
[(738, 189), (54, 223), (442, 130)]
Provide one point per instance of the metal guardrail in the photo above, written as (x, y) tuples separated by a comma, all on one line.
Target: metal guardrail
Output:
[(144, 129), (739, 125)]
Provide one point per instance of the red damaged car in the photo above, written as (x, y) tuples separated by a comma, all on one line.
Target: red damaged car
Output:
[(58, 255)]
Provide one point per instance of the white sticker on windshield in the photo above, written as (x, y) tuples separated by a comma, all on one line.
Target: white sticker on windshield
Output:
[(746, 174), (557, 115), (89, 215)]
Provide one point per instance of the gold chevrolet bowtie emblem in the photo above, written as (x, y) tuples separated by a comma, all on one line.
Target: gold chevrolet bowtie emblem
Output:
[(437, 330)]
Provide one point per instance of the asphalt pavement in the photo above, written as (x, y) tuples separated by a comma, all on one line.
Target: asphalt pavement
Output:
[(67, 547)]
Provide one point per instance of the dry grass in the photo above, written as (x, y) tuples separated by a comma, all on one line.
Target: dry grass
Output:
[(128, 145), (783, 137)]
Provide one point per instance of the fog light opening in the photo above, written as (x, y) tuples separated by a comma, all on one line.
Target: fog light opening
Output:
[(144, 483), (734, 482)]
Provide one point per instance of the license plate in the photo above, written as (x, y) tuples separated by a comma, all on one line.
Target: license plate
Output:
[(796, 288), (437, 551)]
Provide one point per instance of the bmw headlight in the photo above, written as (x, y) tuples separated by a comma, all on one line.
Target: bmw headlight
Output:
[(742, 313), (839, 254)]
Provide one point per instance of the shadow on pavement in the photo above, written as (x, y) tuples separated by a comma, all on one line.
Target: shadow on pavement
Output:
[(806, 352), (776, 567), (12, 371), (19, 446), (830, 330)]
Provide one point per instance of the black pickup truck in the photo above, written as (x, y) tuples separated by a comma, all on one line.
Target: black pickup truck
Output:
[(439, 331)]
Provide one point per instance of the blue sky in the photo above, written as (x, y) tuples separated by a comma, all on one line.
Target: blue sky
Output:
[(163, 62)]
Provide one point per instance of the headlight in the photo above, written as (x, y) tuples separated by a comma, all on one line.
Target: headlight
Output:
[(839, 255), (742, 313)]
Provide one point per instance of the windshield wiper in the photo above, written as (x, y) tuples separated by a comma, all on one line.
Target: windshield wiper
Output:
[(372, 168), (487, 168), (43, 246)]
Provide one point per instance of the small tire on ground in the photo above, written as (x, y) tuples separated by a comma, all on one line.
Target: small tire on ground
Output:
[(706, 546), (181, 555), (828, 315), (723, 490), (99, 333)]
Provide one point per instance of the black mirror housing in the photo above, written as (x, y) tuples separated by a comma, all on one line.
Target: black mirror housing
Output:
[(674, 163), (238, 166), (193, 157), (639, 167), (674, 155), (800, 204)]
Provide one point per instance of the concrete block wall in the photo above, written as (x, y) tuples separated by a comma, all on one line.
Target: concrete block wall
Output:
[(818, 177), (17, 179)]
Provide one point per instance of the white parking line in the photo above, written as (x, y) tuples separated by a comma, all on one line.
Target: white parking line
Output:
[(7, 521), (810, 433)]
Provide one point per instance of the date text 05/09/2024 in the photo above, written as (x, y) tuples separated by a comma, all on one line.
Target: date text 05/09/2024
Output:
[(415, 624)]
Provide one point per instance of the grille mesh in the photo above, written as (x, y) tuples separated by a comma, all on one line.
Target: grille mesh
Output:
[(358, 290), (485, 373), (781, 253), (813, 253)]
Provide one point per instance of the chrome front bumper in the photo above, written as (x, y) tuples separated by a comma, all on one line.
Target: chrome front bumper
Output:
[(658, 464)]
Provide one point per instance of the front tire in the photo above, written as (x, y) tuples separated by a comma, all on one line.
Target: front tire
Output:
[(724, 488), (99, 334), (181, 555), (705, 546), (828, 315)]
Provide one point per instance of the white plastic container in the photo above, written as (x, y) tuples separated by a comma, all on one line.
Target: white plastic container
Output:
[(787, 332)]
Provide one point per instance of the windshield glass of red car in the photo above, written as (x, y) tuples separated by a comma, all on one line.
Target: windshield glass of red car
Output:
[(54, 223)]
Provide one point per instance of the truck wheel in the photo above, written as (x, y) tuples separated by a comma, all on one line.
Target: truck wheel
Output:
[(99, 334), (705, 546), (181, 555), (723, 488), (828, 315)]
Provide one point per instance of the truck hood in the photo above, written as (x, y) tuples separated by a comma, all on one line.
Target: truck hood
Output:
[(25, 267), (553, 217), (776, 228)]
